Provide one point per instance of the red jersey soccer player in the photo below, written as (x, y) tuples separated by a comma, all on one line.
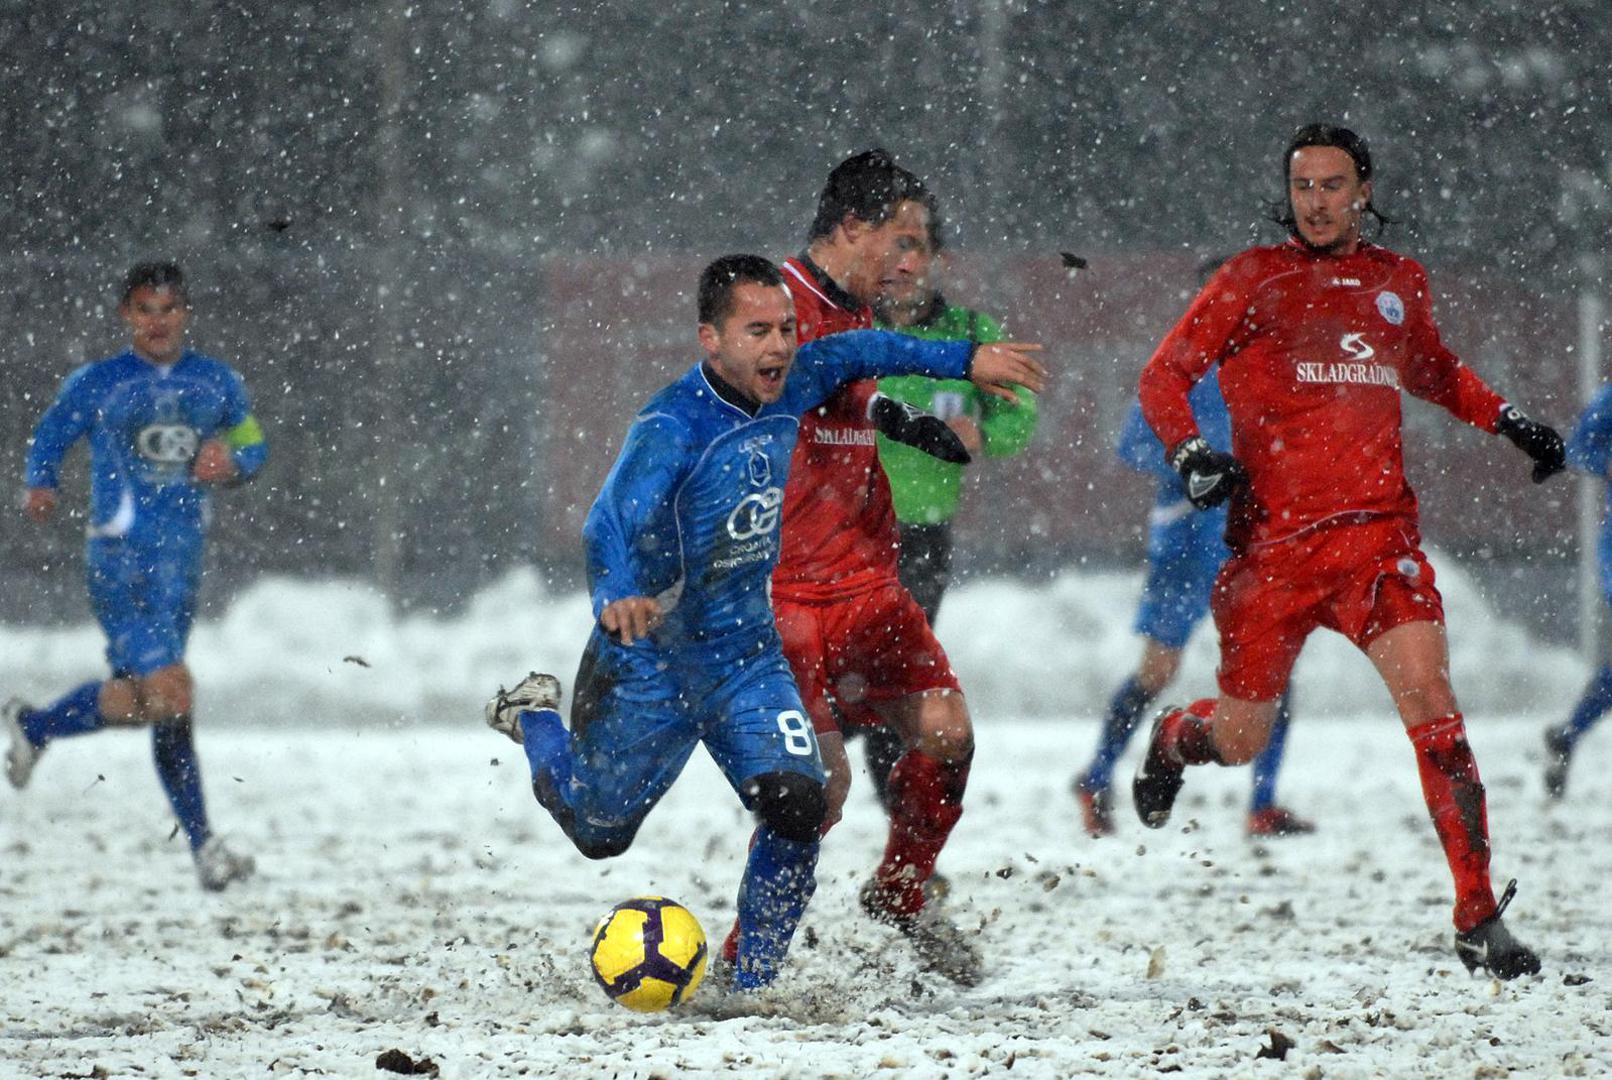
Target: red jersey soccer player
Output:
[(1315, 339), (860, 647)]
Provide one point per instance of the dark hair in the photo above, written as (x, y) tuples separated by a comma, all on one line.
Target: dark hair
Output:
[(718, 281), (155, 275), (1331, 135), (869, 187)]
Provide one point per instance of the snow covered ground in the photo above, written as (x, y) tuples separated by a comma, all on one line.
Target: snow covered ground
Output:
[(413, 897)]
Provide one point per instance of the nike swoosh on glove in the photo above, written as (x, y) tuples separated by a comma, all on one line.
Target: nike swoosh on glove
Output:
[(1209, 476), (899, 421), (1538, 441)]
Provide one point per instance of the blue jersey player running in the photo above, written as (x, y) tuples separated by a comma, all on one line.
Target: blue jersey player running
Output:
[(1588, 449), (164, 424), (681, 544), (1185, 548)]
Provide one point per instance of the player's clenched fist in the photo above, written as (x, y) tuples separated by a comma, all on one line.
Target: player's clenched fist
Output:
[(1000, 366), (630, 618), (214, 463), (1208, 475)]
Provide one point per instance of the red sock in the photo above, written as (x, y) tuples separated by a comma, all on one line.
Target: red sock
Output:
[(1187, 733), (926, 799), (1455, 799)]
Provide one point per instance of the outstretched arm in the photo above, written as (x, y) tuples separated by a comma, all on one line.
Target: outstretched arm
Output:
[(822, 366)]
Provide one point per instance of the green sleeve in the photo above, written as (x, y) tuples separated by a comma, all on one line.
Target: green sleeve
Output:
[(1005, 427)]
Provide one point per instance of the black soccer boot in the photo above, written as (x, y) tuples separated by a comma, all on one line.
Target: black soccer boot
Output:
[(1158, 777), (1489, 945)]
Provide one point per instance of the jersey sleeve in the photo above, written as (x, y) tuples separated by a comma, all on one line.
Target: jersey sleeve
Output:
[(1589, 448), (634, 507), (242, 431), (822, 366), (65, 422), (1434, 373), (1206, 334)]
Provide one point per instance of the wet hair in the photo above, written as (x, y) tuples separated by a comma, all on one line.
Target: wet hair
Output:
[(155, 275), (868, 186), (718, 280), (1332, 135)]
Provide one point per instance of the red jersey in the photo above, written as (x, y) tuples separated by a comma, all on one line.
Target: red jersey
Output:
[(1314, 350), (839, 524)]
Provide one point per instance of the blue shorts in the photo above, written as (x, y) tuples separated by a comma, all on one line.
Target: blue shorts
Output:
[(144, 599), (639, 711), (1184, 553)]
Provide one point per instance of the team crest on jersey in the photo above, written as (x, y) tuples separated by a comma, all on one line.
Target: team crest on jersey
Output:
[(760, 464), (1391, 307), (756, 515)]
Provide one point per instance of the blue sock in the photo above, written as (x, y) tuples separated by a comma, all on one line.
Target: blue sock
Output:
[(778, 881), (1269, 761), (548, 755), (1123, 711), (1596, 701), (180, 773), (78, 712)]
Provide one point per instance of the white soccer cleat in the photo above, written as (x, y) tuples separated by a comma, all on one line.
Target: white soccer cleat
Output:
[(536, 691), (217, 866), (21, 755)]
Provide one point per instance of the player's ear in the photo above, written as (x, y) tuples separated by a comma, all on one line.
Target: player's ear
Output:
[(709, 339)]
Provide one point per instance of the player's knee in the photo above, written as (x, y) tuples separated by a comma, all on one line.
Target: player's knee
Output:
[(945, 731), (119, 701), (166, 694), (792, 805)]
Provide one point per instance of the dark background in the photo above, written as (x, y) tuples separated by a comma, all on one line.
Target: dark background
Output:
[(451, 245)]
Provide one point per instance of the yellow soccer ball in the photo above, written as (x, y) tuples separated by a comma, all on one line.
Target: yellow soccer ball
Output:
[(649, 953)]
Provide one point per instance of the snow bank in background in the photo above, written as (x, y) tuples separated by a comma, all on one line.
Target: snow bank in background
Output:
[(292, 650)]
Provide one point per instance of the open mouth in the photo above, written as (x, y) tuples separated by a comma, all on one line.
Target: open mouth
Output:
[(771, 376)]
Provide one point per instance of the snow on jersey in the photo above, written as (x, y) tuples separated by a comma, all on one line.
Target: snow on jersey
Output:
[(145, 423), (1314, 350), (690, 512), (841, 537)]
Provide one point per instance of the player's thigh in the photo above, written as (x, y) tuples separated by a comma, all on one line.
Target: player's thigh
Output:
[(143, 607), (631, 733), (893, 650), (755, 724), (801, 627), (1264, 610)]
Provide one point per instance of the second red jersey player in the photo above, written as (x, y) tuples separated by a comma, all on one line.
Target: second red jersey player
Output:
[(1316, 340)]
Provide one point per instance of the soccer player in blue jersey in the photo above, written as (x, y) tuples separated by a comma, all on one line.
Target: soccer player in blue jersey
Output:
[(1588, 449), (164, 424), (1185, 548), (681, 544)]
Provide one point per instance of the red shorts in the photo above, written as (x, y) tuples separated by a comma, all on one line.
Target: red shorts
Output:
[(1358, 577), (847, 654)]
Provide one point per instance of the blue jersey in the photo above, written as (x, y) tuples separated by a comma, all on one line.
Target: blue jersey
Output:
[(690, 512), (1589, 448), (145, 423)]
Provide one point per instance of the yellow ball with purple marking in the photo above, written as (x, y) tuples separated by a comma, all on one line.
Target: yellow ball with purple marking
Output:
[(649, 953)]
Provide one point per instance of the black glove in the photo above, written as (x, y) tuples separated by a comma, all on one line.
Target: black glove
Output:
[(899, 421), (1209, 476), (1538, 441)]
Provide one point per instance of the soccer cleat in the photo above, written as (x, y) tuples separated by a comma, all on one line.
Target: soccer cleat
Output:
[(22, 754), (1558, 753), (1096, 808), (536, 691), (1489, 945), (1277, 821), (941, 946), (1158, 777), (217, 866)]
